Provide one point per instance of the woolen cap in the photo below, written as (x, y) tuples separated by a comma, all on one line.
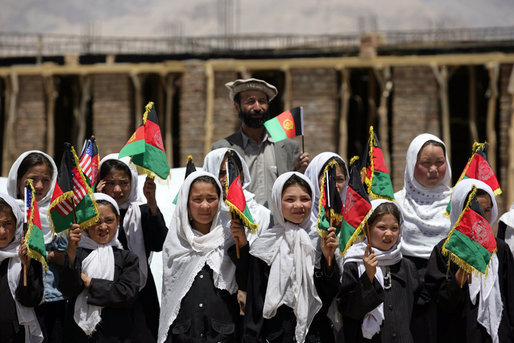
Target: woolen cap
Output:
[(241, 85)]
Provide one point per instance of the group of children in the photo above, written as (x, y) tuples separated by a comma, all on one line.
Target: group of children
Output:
[(283, 283)]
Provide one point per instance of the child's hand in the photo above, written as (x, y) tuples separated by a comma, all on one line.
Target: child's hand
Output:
[(86, 279), (238, 232), (370, 262), (462, 277), (25, 260), (149, 192), (74, 234), (100, 186), (329, 244)]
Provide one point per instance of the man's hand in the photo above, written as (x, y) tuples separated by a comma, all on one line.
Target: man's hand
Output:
[(302, 162)]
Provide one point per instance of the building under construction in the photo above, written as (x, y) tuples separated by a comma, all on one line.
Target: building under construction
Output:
[(456, 84)]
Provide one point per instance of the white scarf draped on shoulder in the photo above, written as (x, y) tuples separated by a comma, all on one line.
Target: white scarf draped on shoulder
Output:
[(44, 203), (485, 288), (288, 250), (186, 252), (26, 315), (508, 219), (423, 208)]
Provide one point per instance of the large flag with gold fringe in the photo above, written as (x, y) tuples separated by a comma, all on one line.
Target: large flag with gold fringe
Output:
[(471, 243), (34, 238)]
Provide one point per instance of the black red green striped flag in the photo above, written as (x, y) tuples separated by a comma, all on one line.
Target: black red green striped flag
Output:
[(471, 243), (376, 176), (34, 237), (357, 209), (288, 124), (330, 203), (236, 200), (146, 146), (190, 167)]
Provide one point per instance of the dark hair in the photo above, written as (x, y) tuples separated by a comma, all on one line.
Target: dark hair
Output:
[(339, 162), (206, 179), (296, 180), (432, 142), (109, 165), (108, 204), (4, 206), (239, 165), (478, 193), (383, 209), (237, 99), (31, 160)]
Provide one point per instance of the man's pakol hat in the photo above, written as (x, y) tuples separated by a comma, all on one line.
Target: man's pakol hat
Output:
[(241, 85)]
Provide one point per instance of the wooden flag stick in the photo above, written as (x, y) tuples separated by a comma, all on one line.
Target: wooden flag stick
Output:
[(236, 239), (24, 276), (330, 257)]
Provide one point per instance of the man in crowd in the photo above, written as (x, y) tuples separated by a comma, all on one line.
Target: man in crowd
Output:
[(266, 159)]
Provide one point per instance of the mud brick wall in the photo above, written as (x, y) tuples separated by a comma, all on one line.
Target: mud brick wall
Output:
[(415, 111), (113, 119)]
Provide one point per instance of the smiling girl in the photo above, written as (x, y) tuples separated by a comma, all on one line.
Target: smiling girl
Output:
[(379, 287)]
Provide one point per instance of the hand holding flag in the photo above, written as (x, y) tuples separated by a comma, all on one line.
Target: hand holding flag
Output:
[(34, 240)]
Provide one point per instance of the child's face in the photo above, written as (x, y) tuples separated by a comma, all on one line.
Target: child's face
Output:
[(340, 179), (7, 228), (296, 204), (118, 185), (105, 229), (202, 204), (384, 232), (485, 202), (41, 180)]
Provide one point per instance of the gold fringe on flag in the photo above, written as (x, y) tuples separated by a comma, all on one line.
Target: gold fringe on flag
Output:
[(322, 232), (369, 181), (33, 254)]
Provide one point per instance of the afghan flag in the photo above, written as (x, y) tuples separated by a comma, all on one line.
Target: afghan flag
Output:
[(73, 200), (146, 147), (470, 243), (190, 167), (288, 124), (236, 200), (34, 237), (357, 209), (89, 161), (478, 168), (330, 203), (376, 177)]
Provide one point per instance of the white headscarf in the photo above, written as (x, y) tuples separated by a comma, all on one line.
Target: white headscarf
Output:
[(373, 319), (423, 208), (287, 248), (44, 203), (312, 172), (26, 315), (132, 221), (99, 264), (261, 215), (487, 288), (185, 253), (508, 219)]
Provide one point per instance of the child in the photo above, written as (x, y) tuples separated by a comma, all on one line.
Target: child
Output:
[(483, 310), (379, 287), (101, 278), (198, 294), (285, 296), (18, 322)]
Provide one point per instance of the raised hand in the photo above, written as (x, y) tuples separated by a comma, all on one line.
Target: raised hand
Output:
[(370, 262), (149, 192), (74, 235)]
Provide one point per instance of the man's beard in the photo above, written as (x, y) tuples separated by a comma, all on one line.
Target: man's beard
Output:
[(246, 118)]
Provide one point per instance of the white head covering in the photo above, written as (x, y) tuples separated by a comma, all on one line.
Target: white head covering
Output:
[(287, 248), (26, 315), (508, 219), (312, 172), (44, 203), (186, 251), (373, 319), (132, 221), (261, 215), (487, 288), (423, 208)]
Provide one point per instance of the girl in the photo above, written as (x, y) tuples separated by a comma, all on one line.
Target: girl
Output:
[(101, 278), (483, 310), (423, 202), (287, 295), (142, 230), (41, 168), (18, 322), (198, 294), (379, 287)]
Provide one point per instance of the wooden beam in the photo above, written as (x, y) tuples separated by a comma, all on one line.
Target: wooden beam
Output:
[(343, 114), (510, 170), (209, 113), (441, 76), (11, 96), (385, 82), (138, 100), (51, 95), (472, 96), (168, 83), (494, 70)]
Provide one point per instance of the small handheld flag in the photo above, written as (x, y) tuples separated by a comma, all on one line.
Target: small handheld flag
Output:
[(471, 243), (376, 177), (190, 167), (357, 209), (288, 124), (330, 202), (146, 147), (89, 161), (34, 238)]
